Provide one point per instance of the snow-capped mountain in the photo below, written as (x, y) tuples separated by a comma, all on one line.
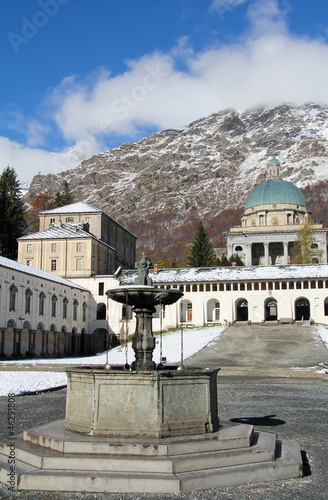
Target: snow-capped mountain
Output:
[(162, 185)]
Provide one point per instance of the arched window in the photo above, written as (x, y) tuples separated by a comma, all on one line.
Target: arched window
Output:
[(28, 299), (75, 304), (53, 305), (65, 302), (12, 298), (238, 248), (42, 297), (84, 311)]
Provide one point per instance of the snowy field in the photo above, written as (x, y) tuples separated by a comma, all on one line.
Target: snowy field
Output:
[(19, 382)]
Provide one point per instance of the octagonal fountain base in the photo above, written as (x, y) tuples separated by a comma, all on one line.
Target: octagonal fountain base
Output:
[(151, 404)]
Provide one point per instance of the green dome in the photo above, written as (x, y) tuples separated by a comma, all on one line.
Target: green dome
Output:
[(275, 191), (274, 162)]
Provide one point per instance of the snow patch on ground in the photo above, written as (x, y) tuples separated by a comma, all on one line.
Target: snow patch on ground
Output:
[(17, 382)]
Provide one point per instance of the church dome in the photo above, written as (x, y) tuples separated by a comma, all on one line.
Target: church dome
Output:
[(275, 191)]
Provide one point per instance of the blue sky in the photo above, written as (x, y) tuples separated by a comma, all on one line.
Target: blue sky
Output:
[(92, 75)]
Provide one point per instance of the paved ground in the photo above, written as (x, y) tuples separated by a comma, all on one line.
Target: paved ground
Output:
[(264, 350), (293, 407)]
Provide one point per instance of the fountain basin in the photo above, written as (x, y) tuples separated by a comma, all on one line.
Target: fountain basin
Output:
[(143, 296), (150, 404)]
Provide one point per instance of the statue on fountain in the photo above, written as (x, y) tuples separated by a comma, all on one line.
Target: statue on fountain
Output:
[(143, 267)]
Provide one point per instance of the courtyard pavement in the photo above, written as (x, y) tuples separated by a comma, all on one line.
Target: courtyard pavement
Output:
[(265, 350), (258, 384)]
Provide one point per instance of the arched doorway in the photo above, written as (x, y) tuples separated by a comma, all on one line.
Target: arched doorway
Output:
[(270, 310), (101, 311), (186, 313), (98, 341), (242, 310), (213, 310), (302, 309)]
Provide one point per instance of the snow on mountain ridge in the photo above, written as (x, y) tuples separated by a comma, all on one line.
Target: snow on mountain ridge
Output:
[(202, 171)]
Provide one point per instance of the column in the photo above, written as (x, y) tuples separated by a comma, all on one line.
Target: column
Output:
[(2, 344), (285, 243), (266, 254), (248, 254)]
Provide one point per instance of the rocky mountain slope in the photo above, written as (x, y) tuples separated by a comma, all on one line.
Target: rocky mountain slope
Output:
[(162, 185)]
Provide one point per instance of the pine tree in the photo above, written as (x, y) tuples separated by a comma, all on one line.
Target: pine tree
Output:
[(12, 217), (64, 198), (236, 259), (305, 249), (201, 252), (223, 262)]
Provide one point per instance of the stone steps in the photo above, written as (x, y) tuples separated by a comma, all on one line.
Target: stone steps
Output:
[(323, 366), (262, 449), (233, 455)]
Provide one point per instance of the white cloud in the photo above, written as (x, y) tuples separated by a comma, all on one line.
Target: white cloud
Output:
[(28, 161), (267, 65), (222, 6)]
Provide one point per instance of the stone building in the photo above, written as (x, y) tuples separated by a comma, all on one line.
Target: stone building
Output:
[(226, 295), (275, 210), (42, 314), (78, 240)]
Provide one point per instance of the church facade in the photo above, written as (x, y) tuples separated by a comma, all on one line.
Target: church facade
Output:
[(275, 210)]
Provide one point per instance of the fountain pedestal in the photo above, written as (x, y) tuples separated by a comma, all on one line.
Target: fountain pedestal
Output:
[(149, 404), (143, 342)]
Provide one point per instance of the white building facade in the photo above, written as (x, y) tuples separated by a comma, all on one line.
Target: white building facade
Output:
[(42, 314), (224, 295)]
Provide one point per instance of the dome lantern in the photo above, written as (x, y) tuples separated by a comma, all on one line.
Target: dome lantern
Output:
[(273, 168)]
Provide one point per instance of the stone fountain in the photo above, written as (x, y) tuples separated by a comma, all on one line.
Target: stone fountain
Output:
[(144, 429), (144, 401)]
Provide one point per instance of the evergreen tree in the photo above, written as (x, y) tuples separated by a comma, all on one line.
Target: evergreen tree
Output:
[(305, 249), (64, 198), (223, 261), (235, 258), (201, 252), (12, 217)]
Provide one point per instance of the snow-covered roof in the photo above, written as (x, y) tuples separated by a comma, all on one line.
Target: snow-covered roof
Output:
[(207, 274), (68, 230), (38, 273), (77, 208)]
